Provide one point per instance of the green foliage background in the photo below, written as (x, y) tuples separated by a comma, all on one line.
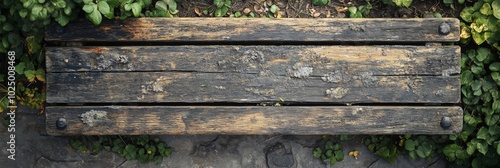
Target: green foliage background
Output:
[(478, 145)]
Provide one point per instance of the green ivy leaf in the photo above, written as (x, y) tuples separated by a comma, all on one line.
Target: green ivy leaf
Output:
[(353, 9), (60, 4), (103, 7), (425, 149), (218, 13), (495, 95), (409, 145), (413, 155), (383, 152), (486, 9), (136, 9), (333, 160), (161, 5), (274, 8), (482, 147), (329, 153), (496, 77), (498, 148), (95, 17), (478, 37), (461, 154), (466, 77), (496, 8), (483, 54), (328, 145), (494, 130), (450, 151), (487, 85), (476, 85), (470, 148), (337, 147), (482, 133), (40, 75), (63, 20), (30, 75), (405, 3), (316, 152), (476, 69), (172, 6), (466, 14), (89, 8), (20, 68), (496, 106), (219, 3), (36, 10), (491, 120), (128, 7), (344, 137), (339, 155)]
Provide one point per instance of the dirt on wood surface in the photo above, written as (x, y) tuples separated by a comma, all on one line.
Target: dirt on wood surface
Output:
[(305, 9)]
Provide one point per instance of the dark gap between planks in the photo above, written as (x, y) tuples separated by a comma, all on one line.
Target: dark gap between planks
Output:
[(332, 104), (240, 43), (226, 72)]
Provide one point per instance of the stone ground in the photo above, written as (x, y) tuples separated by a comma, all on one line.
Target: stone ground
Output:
[(33, 149)]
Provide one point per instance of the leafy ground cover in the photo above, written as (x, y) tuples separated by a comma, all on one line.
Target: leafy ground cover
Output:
[(478, 145)]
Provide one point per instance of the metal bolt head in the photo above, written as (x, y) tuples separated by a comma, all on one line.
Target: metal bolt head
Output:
[(446, 122), (444, 28), (61, 124)]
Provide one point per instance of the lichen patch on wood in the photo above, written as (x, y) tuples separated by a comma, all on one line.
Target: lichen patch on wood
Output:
[(451, 71), (109, 61), (265, 92), (336, 76), (337, 93), (368, 79), (94, 117), (156, 86), (300, 71)]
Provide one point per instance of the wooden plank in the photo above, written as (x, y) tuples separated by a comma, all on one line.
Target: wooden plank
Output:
[(135, 120), (197, 87), (379, 60), (258, 29)]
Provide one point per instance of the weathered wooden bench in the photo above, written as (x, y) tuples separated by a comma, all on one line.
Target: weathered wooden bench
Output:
[(254, 76)]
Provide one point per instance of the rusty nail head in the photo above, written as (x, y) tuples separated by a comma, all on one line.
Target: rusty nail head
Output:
[(446, 122), (61, 123), (444, 28)]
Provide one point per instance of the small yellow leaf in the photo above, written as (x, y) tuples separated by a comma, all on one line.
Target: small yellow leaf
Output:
[(277, 15), (354, 154)]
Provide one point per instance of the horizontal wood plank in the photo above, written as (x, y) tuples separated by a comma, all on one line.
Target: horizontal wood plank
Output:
[(323, 60), (135, 120), (258, 29), (197, 87)]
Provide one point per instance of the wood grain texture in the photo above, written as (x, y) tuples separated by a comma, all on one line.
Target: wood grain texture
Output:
[(378, 60), (258, 29), (240, 87), (133, 120)]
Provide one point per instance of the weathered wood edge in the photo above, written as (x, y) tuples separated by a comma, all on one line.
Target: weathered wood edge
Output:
[(135, 120), (193, 87), (258, 29), (379, 60)]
